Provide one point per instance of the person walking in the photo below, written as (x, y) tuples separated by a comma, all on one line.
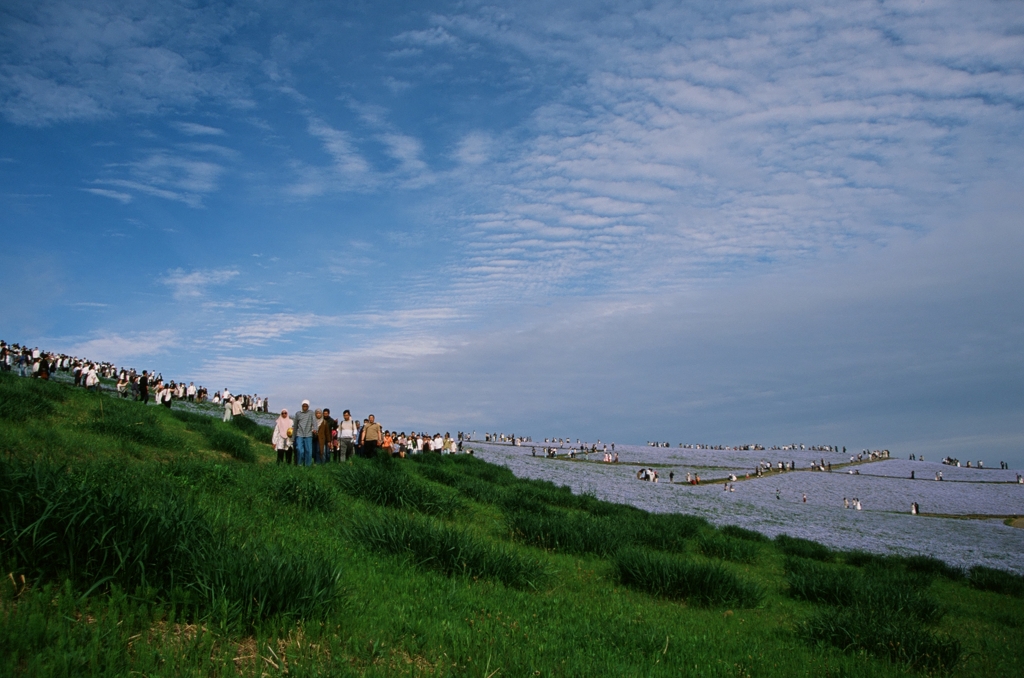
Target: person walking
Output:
[(304, 426), (348, 432), (228, 409), (324, 434), (282, 438), (371, 437)]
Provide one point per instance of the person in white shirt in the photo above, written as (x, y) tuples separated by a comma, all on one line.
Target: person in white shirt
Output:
[(348, 433)]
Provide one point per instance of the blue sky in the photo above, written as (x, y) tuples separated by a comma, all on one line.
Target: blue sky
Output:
[(769, 221)]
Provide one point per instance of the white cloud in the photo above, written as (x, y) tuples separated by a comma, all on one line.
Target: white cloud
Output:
[(172, 177), (123, 198), (475, 148), (258, 330), (191, 284), (118, 349), (64, 62), (436, 36), (195, 129), (348, 171), (770, 134)]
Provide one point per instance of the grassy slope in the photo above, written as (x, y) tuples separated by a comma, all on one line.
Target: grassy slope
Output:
[(231, 568)]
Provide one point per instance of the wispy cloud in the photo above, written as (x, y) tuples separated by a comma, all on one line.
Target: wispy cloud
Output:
[(192, 284), (64, 62), (258, 330), (193, 129), (791, 134), (436, 36), (166, 175), (349, 169), (123, 198), (118, 348)]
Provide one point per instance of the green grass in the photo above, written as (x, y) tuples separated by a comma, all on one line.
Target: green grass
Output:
[(989, 579), (885, 633), (303, 490), (385, 482), (803, 548), (452, 550), (703, 584), (160, 550)]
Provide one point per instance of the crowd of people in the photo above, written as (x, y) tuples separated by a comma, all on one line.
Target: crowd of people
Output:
[(509, 438), (313, 436), (129, 382)]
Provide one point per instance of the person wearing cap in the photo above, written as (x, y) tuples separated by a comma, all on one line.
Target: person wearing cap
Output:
[(304, 426), (282, 438)]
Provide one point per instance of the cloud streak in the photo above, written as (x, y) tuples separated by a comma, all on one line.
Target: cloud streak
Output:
[(193, 284)]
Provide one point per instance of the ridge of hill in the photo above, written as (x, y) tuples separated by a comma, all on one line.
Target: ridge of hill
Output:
[(163, 542)]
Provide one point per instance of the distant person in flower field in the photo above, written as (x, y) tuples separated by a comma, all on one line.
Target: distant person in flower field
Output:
[(304, 426)]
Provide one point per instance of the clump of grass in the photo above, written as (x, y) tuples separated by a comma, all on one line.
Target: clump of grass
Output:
[(715, 545), (133, 422), (219, 436), (926, 565), (844, 586), (672, 576), (451, 550), (921, 565), (885, 633), (803, 548), (998, 581), (247, 584), (879, 610), (470, 486), (743, 533), (665, 531), (585, 533), (865, 559), (237, 445), (194, 474), (304, 491), (23, 399), (385, 483), (97, 530), (567, 533), (258, 432)]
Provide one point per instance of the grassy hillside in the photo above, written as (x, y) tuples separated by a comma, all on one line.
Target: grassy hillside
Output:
[(162, 543)]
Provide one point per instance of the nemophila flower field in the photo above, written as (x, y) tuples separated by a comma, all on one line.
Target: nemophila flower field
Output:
[(773, 504)]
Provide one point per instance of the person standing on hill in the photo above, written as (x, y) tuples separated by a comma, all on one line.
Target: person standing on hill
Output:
[(324, 435), (304, 426), (282, 438), (144, 387), (372, 436), (348, 432)]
